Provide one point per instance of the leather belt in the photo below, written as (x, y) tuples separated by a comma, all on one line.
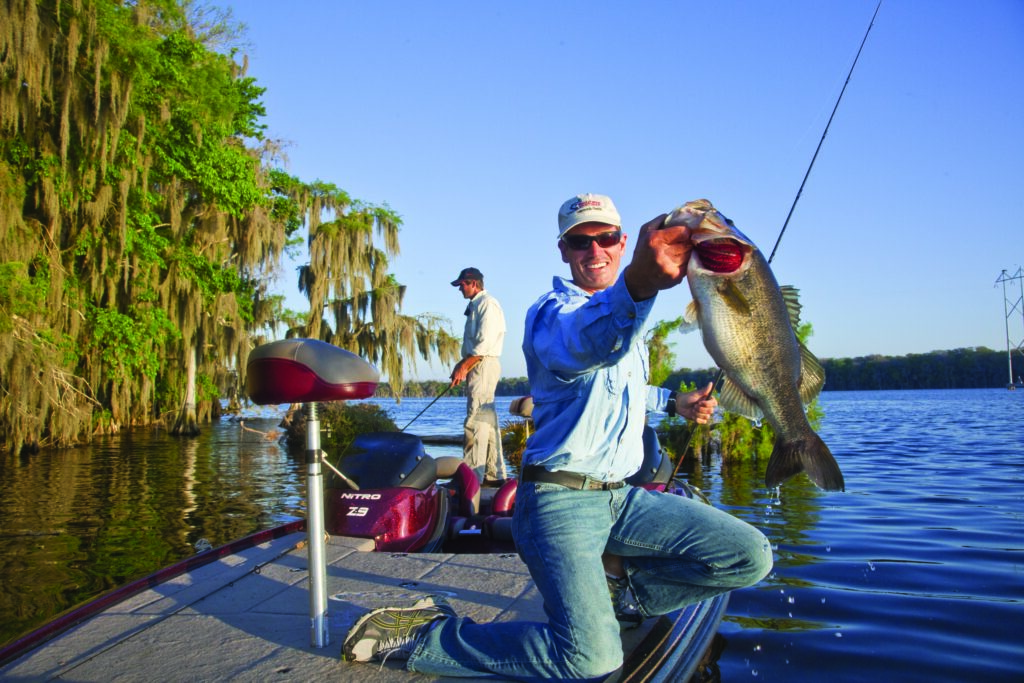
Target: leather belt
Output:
[(571, 480)]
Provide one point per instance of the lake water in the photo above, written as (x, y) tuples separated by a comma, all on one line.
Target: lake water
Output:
[(915, 573)]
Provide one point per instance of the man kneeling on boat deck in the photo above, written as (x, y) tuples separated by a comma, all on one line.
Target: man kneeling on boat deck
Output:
[(579, 528)]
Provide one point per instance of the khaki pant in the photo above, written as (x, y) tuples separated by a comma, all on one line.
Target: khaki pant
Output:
[(482, 448)]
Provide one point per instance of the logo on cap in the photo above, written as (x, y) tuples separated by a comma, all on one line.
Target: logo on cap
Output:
[(585, 204)]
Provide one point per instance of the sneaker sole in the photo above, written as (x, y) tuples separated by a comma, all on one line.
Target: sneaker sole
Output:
[(351, 652)]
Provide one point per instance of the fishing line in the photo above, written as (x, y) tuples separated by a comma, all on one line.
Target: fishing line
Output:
[(721, 373), (446, 390)]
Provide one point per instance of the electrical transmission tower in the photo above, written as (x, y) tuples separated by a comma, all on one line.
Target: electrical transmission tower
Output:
[(1011, 308)]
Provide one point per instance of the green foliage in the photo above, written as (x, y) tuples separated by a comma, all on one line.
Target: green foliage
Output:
[(213, 279), (675, 436), (742, 440), (203, 109), (285, 208), (340, 423), (514, 434), (32, 163), (659, 351), (206, 388), (23, 289), (130, 344), (679, 436), (145, 241)]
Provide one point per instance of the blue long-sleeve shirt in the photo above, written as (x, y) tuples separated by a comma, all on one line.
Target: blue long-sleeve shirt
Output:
[(588, 372)]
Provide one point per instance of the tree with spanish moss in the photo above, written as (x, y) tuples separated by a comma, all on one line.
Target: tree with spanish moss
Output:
[(143, 218)]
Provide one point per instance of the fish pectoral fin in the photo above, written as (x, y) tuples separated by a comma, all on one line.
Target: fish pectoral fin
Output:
[(733, 297), (735, 400), (791, 297), (690, 317), (812, 376)]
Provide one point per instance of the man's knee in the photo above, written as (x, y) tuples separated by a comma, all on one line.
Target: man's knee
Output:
[(758, 562), (596, 659)]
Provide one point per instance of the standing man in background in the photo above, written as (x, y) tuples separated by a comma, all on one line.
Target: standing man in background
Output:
[(480, 368)]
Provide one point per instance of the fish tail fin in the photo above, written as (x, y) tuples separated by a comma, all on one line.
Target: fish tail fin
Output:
[(821, 467), (785, 462), (809, 455)]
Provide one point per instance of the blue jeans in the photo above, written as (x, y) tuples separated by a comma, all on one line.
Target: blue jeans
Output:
[(676, 552)]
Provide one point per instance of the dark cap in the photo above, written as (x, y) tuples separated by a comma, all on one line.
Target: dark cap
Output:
[(468, 274)]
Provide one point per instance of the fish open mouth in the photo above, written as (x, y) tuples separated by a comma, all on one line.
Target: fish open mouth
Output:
[(720, 255)]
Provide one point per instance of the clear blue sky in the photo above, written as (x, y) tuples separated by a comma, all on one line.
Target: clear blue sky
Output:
[(475, 120)]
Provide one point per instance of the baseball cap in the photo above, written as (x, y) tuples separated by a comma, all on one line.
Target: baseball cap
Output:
[(587, 208), (468, 274)]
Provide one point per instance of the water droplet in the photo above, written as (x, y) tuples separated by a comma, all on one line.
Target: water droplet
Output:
[(838, 634), (792, 600), (757, 648)]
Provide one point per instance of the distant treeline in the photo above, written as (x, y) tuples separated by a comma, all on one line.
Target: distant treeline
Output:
[(973, 368)]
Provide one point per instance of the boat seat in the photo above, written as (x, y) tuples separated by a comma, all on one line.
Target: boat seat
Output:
[(464, 483), (521, 407), (306, 371), (505, 499), (657, 467)]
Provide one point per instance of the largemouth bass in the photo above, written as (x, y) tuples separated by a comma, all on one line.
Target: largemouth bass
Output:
[(747, 323)]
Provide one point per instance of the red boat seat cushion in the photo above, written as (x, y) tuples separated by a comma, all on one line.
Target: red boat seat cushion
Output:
[(307, 370)]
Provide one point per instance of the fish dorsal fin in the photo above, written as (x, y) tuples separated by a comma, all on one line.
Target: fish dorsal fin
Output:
[(791, 296), (812, 376), (733, 297), (734, 400)]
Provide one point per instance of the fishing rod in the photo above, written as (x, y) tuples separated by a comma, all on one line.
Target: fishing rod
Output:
[(822, 140), (446, 390), (800, 190)]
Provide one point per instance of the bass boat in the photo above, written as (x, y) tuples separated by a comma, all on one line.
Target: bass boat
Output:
[(392, 523)]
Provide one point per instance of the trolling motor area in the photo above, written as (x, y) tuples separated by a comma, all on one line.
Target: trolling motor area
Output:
[(309, 371)]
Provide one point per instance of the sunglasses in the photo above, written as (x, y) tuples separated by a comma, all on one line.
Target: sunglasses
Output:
[(605, 240)]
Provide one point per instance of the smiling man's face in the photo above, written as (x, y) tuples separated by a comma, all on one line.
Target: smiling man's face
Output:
[(595, 267)]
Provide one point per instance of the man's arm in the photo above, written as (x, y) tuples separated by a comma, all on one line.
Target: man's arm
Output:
[(463, 368)]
